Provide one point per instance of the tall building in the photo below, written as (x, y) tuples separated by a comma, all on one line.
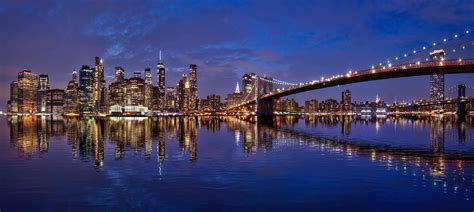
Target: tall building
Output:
[(117, 88), (193, 86), (119, 74), (43, 87), (247, 82), (237, 89), (71, 104), (183, 94), (104, 98), (98, 78), (55, 101), (27, 92), (437, 87), (148, 89), (170, 99), (86, 90), (13, 102), (161, 85), (346, 100), (234, 98), (135, 91), (437, 80)]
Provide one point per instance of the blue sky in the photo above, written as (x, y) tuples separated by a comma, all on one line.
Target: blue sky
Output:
[(295, 41)]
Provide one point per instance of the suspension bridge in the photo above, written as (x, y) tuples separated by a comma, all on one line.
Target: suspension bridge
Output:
[(455, 59)]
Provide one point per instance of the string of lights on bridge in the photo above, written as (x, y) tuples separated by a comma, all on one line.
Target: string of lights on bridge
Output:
[(373, 69), (389, 64), (425, 48)]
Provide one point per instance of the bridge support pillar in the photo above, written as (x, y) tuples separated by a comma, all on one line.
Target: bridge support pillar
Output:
[(461, 105), (265, 107)]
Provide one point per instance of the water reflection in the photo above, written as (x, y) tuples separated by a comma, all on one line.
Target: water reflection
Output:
[(88, 138)]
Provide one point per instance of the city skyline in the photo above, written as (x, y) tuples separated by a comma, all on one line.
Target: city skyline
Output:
[(225, 56), (237, 105)]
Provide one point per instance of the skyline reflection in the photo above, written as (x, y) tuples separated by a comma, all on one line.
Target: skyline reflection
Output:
[(436, 162)]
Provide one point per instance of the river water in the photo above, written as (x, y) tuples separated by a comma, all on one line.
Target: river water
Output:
[(237, 163)]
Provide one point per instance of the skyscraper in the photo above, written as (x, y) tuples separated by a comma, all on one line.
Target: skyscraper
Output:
[(119, 74), (13, 103), (161, 85), (437, 87), (170, 99), (117, 89), (193, 87), (104, 98), (71, 96), (437, 80), (135, 91), (247, 81), (346, 100), (55, 101), (98, 78), (43, 87), (183, 94), (27, 92), (86, 90), (148, 89)]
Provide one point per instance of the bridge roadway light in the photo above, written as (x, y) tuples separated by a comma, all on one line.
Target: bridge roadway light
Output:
[(467, 31)]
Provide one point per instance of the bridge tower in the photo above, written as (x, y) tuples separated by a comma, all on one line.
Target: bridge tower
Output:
[(264, 107), (462, 102)]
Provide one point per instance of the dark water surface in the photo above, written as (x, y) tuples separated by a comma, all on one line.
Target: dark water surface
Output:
[(208, 163)]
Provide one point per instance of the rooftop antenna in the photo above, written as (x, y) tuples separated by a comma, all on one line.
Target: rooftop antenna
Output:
[(160, 55)]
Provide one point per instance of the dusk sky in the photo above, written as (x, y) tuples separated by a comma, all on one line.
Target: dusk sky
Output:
[(295, 41)]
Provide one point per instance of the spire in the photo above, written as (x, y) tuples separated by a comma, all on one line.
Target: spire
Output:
[(237, 89), (160, 55)]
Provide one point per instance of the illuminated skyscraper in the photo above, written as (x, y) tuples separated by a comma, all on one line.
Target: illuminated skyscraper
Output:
[(437, 80), (104, 98), (346, 100), (148, 89), (43, 87), (98, 78), (55, 101), (135, 91), (170, 99), (119, 74), (161, 85), (193, 87), (117, 89), (183, 91), (71, 104), (27, 92), (247, 81), (86, 90), (437, 87)]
